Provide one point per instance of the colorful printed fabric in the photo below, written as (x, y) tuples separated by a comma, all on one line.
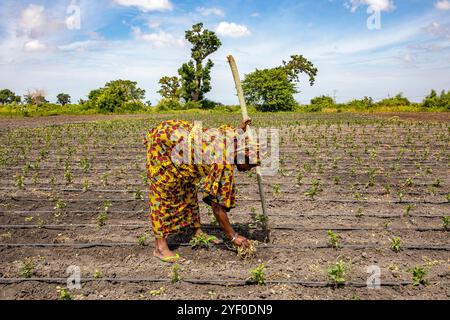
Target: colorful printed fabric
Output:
[(173, 185)]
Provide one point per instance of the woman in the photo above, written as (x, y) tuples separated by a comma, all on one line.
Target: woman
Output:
[(179, 156)]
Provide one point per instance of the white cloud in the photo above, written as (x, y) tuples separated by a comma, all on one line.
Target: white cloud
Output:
[(210, 11), (408, 58), (158, 40), (442, 5), (376, 5), (438, 30), (34, 46), (232, 30), (147, 5), (32, 18)]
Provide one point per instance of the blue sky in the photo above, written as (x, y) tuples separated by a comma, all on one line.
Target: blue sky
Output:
[(42, 45)]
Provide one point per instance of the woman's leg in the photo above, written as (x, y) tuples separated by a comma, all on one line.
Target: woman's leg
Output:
[(162, 250)]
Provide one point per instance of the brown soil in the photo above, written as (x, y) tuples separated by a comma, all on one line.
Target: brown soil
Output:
[(364, 209)]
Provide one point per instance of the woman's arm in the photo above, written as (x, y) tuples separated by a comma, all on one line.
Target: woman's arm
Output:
[(222, 218)]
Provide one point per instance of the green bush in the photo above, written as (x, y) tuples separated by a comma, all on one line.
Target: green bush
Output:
[(168, 104), (209, 104), (398, 101), (434, 101)]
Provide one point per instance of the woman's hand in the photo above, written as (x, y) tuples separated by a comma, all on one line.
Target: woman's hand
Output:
[(244, 124), (241, 242)]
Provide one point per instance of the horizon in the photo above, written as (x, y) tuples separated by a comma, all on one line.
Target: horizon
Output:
[(77, 46)]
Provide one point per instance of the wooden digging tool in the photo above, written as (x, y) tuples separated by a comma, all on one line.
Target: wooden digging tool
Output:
[(240, 94)]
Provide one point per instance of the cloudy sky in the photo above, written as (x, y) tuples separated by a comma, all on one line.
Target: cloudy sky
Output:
[(74, 46)]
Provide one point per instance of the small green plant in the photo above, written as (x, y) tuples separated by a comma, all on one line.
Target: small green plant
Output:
[(142, 240), (408, 208), (261, 219), (299, 178), (409, 182), (333, 239), (276, 189), (418, 275), (202, 241), (396, 244), (360, 213), (101, 218), (337, 179), (337, 271), (446, 223), (104, 179), (63, 293), (59, 205), (138, 194), (106, 205), (68, 176), (401, 195), (20, 182), (257, 275), (175, 273), (436, 183), (158, 292), (40, 223), (86, 185), (26, 269), (97, 274), (314, 190)]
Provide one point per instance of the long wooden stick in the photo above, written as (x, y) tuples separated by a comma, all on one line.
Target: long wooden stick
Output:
[(240, 93)]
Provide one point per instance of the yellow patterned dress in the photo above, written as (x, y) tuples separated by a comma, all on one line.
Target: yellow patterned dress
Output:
[(173, 194)]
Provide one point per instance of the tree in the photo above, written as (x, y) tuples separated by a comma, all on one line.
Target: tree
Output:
[(196, 77), (269, 90), (118, 94), (274, 89), (63, 99), (36, 97), (170, 88), (7, 96)]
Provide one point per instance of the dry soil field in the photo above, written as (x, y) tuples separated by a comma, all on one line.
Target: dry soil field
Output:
[(74, 194)]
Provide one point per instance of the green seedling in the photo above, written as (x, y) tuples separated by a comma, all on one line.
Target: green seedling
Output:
[(396, 244), (333, 240), (418, 275), (360, 213), (97, 274), (175, 273), (20, 182), (446, 223), (409, 208), (142, 240), (158, 292), (276, 189), (336, 272), (26, 269), (138, 194), (101, 219), (202, 241), (63, 293)]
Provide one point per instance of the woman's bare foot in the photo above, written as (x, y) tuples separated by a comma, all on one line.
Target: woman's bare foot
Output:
[(163, 252), (199, 232)]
